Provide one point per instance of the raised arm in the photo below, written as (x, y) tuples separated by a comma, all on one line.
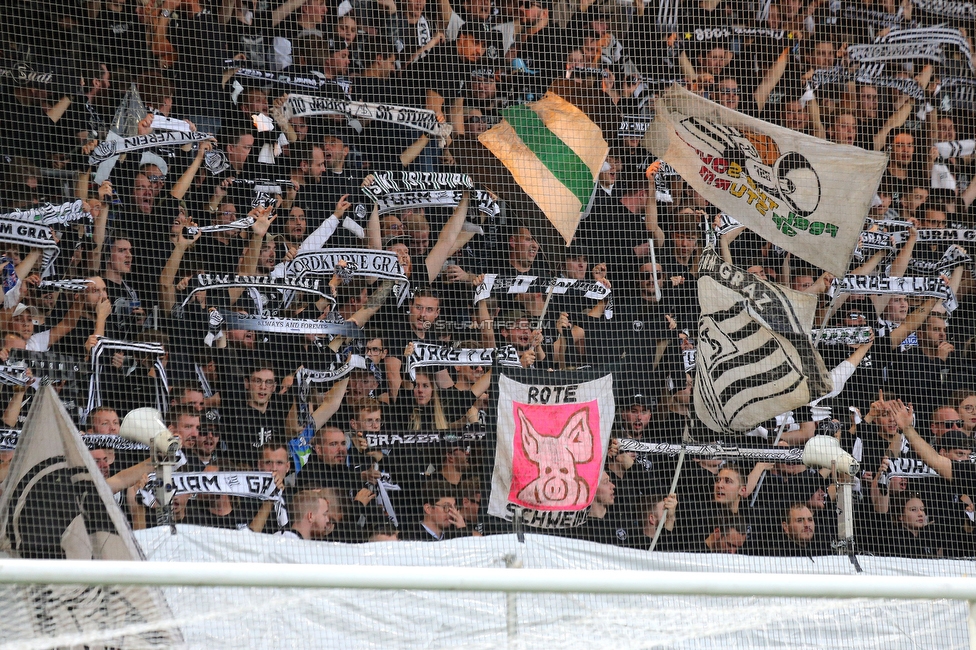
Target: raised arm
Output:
[(445, 241), (925, 451)]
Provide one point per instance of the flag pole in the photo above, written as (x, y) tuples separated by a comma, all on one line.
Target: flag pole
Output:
[(685, 438)]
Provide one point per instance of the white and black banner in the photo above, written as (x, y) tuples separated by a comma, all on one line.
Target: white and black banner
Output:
[(792, 455), (910, 286), (393, 191), (797, 194), (553, 433), (755, 356), (359, 262), (430, 354), (420, 119), (958, 9), (494, 284), (110, 148), (287, 80), (248, 485), (843, 335)]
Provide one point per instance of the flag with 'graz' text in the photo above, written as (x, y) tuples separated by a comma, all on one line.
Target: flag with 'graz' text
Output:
[(554, 152)]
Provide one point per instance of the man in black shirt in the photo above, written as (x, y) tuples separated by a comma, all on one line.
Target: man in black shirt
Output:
[(257, 417)]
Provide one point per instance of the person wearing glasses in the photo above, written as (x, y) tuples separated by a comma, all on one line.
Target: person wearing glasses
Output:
[(441, 519), (256, 417), (944, 420)]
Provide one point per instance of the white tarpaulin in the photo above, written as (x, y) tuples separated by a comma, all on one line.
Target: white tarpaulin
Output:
[(288, 618), (792, 189)]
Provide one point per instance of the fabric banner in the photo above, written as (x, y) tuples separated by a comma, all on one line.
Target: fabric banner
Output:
[(755, 356), (792, 189), (54, 479), (725, 452), (873, 74), (553, 434), (420, 119), (555, 153), (497, 285), (429, 354), (401, 190), (110, 148), (284, 78), (843, 335), (360, 262)]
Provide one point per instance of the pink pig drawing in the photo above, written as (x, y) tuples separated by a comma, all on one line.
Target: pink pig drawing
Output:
[(558, 483)]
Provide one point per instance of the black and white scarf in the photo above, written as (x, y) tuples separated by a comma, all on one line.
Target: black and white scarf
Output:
[(105, 348), (248, 485), (954, 256), (387, 440), (495, 284), (420, 119), (282, 325), (956, 148), (925, 235), (726, 33), (914, 286), (359, 263), (305, 378), (948, 8), (873, 74), (430, 354), (778, 454), (109, 148), (908, 468), (877, 241), (392, 191), (842, 335), (212, 281)]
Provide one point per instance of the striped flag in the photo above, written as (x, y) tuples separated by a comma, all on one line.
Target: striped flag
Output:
[(554, 152), (755, 359)]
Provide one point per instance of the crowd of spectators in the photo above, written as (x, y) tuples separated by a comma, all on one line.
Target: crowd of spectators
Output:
[(231, 394)]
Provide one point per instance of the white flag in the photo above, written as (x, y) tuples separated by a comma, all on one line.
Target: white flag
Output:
[(805, 195), (755, 359)]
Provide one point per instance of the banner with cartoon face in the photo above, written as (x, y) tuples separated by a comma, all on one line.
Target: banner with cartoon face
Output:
[(553, 435), (792, 189)]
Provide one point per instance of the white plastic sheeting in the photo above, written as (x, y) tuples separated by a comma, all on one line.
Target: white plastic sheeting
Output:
[(261, 618)]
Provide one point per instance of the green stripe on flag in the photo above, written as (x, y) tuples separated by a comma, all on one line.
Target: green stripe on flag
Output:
[(552, 152)]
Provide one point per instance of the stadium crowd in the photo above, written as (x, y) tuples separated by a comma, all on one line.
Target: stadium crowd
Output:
[(351, 452)]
